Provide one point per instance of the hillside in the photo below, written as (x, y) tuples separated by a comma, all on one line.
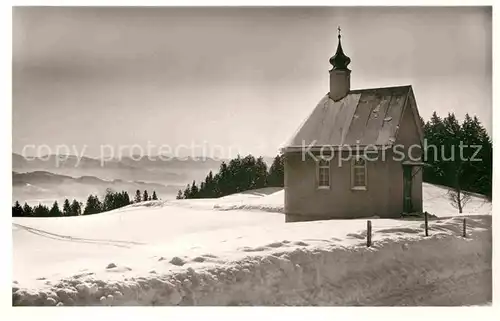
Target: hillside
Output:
[(101, 259)]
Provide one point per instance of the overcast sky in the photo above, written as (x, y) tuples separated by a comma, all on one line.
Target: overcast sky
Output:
[(235, 77)]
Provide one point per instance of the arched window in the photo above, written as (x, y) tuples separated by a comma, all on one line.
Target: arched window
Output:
[(323, 174), (358, 173)]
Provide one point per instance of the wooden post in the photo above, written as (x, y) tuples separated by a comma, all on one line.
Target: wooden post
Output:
[(368, 233), (426, 224), (464, 234)]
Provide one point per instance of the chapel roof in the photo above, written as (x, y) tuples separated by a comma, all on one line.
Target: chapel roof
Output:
[(364, 117)]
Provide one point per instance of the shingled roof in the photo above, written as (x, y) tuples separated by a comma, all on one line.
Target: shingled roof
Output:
[(363, 117)]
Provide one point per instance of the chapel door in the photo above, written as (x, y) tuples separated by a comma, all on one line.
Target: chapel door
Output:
[(407, 183)]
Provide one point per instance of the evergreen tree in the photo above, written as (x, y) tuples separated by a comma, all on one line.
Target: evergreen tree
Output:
[(126, 199), (179, 195), (276, 177), (75, 208), (434, 136), (122, 199), (110, 201), (41, 211), (222, 181), (55, 211), (155, 198), (17, 210), (187, 192), (27, 210), (209, 187), (137, 198), (245, 174), (66, 208), (260, 180), (477, 172), (234, 178), (145, 196), (93, 205), (194, 191), (202, 190)]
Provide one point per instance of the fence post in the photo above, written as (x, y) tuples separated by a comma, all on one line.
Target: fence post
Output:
[(464, 234), (426, 224), (368, 233)]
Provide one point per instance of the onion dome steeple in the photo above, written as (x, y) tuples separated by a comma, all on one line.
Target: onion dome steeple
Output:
[(340, 61), (340, 75)]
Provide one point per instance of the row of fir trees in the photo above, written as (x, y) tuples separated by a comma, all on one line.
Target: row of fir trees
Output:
[(112, 200), (471, 171), (239, 174), (458, 155)]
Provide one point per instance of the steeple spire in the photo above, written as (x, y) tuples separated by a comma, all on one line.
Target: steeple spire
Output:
[(340, 61), (340, 75)]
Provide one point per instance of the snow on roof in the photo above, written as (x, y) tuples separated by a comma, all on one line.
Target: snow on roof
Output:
[(363, 117)]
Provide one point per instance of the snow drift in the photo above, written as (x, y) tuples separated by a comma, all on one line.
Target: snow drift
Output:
[(187, 253)]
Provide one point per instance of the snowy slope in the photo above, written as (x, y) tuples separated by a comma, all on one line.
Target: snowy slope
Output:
[(157, 240), (435, 201)]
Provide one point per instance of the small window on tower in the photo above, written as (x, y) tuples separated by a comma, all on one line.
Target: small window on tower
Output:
[(323, 174)]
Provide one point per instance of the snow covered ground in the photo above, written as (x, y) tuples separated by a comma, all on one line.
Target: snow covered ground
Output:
[(237, 250)]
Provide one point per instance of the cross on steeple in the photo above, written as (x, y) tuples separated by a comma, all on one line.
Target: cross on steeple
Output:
[(340, 60)]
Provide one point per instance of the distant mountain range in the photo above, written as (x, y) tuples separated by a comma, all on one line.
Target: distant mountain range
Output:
[(55, 177), (46, 187), (47, 179), (149, 169)]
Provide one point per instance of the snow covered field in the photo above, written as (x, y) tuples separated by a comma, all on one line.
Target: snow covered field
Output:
[(237, 250)]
